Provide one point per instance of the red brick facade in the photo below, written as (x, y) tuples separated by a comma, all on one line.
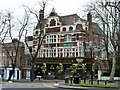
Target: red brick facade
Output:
[(67, 37)]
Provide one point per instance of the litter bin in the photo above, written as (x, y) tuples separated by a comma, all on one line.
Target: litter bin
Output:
[(71, 79), (76, 80), (39, 77), (66, 80)]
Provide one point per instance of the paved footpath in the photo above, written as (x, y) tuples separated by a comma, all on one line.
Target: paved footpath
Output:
[(68, 86), (85, 88)]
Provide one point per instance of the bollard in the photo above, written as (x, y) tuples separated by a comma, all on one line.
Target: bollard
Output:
[(84, 80), (71, 79), (97, 81), (66, 80), (105, 82), (56, 83), (89, 80), (79, 80)]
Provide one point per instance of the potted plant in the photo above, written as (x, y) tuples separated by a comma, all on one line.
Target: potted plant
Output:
[(43, 68), (59, 70)]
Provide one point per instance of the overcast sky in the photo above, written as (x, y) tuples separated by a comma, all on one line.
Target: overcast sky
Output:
[(62, 7)]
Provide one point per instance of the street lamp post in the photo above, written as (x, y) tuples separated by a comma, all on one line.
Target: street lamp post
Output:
[(91, 66), (99, 69), (92, 49)]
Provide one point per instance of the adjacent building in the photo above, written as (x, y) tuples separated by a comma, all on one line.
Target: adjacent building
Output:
[(6, 62), (26, 59)]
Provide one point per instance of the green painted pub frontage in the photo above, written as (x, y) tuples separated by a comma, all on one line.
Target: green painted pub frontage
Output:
[(59, 67)]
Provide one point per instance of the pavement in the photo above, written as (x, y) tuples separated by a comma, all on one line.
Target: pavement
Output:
[(70, 86), (85, 87)]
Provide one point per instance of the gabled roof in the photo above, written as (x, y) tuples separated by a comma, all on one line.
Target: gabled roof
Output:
[(69, 19), (10, 44), (65, 20), (96, 29)]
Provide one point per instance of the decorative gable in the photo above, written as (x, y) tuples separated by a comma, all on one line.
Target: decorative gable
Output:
[(53, 13), (53, 22)]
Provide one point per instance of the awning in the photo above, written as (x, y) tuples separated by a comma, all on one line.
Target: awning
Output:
[(27, 68), (63, 60)]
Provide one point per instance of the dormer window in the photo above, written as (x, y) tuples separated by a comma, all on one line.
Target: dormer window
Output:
[(85, 28), (79, 27), (70, 28), (64, 29), (58, 23), (36, 32)]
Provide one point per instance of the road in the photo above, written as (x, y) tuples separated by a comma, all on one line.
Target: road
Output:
[(29, 86), (21, 86), (44, 85)]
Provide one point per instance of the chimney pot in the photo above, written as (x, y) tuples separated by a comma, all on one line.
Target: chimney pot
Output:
[(89, 17)]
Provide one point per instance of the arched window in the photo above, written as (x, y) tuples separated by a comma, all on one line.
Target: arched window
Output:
[(70, 28), (86, 29), (36, 32), (79, 26), (64, 29)]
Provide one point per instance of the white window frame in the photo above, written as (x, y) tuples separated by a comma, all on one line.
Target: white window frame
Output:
[(77, 37), (68, 51), (3, 54), (0, 62), (68, 38), (58, 38), (10, 53), (14, 53), (10, 62), (65, 38)]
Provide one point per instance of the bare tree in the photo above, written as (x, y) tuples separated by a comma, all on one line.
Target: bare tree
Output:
[(41, 36), (9, 27), (109, 17)]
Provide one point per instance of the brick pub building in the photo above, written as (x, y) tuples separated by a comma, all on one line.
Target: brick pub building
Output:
[(65, 43)]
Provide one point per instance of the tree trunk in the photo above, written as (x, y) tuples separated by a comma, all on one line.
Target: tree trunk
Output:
[(43, 75), (113, 67), (12, 72), (32, 75)]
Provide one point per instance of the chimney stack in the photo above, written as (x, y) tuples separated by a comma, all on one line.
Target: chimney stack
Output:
[(89, 17), (41, 14)]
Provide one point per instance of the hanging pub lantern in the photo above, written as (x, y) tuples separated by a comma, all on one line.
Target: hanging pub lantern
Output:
[(51, 67)]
